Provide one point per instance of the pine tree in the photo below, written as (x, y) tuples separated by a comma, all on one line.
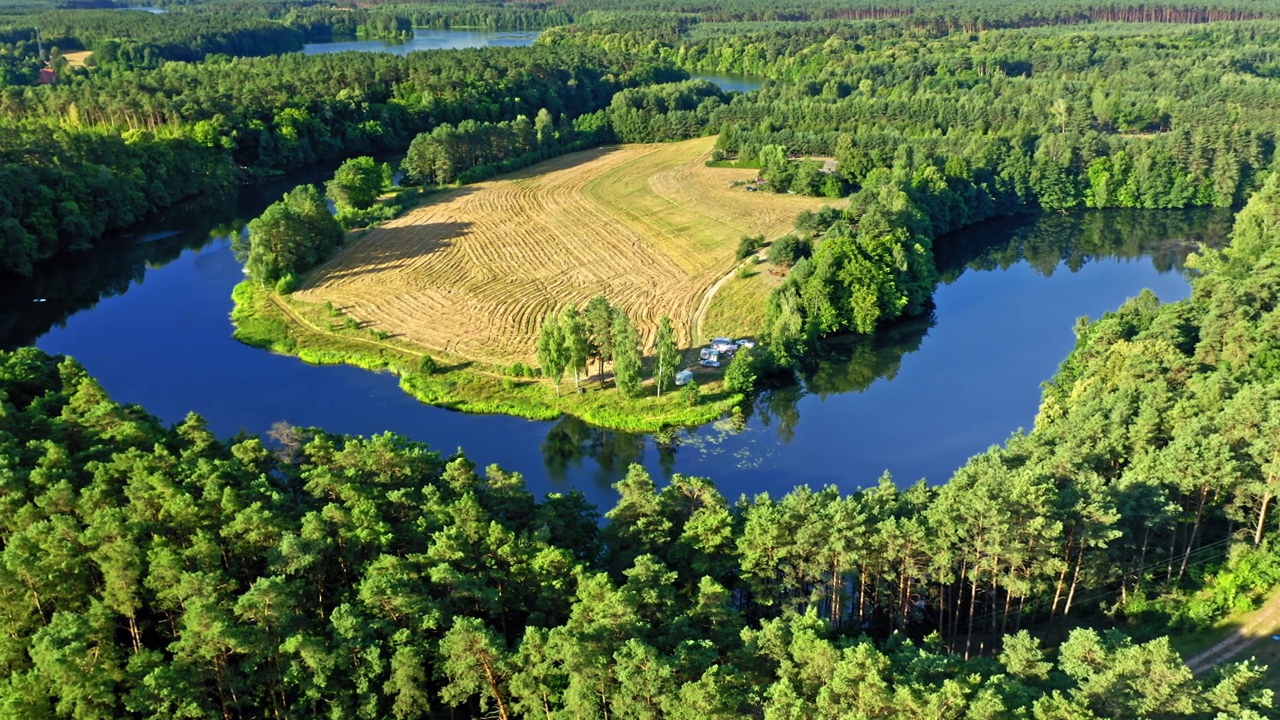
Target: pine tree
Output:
[(599, 317)]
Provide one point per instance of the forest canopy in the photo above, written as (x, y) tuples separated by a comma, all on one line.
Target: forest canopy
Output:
[(152, 572), (155, 572)]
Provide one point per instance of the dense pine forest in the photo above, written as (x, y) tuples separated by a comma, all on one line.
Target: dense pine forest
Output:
[(934, 130), (86, 156), (153, 571), (162, 572)]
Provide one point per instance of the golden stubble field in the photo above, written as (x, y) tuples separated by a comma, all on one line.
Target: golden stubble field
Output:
[(473, 272)]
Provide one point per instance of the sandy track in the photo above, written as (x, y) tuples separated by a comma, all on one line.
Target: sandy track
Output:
[(1258, 628)]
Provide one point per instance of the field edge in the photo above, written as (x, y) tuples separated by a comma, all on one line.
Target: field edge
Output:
[(267, 320)]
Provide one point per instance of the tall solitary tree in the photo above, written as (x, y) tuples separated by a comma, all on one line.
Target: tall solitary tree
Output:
[(544, 128), (668, 355), (576, 344), (599, 317), (627, 359), (553, 356)]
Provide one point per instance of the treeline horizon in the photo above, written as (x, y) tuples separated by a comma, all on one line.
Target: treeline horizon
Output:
[(935, 134), (1120, 148), (129, 143)]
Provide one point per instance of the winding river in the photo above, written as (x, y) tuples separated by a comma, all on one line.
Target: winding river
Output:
[(148, 315)]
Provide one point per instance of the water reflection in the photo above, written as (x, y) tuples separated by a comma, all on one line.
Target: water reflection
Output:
[(73, 283), (755, 441), (852, 364), (80, 281), (570, 442), (430, 39), (1070, 240), (917, 398)]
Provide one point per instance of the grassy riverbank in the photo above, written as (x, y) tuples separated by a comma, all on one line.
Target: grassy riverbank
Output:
[(321, 335)]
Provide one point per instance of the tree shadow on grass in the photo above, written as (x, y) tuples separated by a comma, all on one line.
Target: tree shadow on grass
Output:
[(559, 163), (391, 249)]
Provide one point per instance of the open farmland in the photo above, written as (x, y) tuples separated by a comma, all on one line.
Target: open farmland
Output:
[(474, 272)]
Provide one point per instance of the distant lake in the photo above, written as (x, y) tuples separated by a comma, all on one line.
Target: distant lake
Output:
[(729, 83), (152, 10), (429, 39), (455, 39)]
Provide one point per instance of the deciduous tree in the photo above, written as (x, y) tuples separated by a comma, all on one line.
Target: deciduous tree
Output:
[(627, 359), (666, 355), (553, 353)]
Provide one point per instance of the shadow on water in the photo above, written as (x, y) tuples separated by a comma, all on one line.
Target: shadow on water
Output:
[(1070, 240), (571, 441), (80, 281), (68, 285), (852, 364)]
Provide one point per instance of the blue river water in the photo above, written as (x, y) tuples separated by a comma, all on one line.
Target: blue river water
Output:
[(148, 314), (150, 318)]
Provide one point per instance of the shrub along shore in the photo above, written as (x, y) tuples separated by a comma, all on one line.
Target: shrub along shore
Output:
[(315, 334)]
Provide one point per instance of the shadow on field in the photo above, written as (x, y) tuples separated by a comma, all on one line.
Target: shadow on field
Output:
[(396, 247), (560, 163)]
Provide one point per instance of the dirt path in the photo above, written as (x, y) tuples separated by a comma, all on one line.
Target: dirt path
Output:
[(1257, 629), (707, 296), (475, 271), (305, 323), (284, 307)]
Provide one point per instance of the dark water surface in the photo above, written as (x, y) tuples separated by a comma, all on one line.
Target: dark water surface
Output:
[(458, 39), (430, 39), (741, 83), (148, 316)]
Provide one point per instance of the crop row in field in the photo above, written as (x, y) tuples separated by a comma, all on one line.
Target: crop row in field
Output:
[(474, 272)]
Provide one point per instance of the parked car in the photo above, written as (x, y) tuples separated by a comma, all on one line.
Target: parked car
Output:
[(709, 363), (683, 377), (744, 343)]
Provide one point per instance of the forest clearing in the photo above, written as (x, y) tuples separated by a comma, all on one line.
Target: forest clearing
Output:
[(76, 59), (474, 272)]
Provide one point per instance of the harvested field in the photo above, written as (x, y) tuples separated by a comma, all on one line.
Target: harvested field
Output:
[(76, 59), (474, 272)]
